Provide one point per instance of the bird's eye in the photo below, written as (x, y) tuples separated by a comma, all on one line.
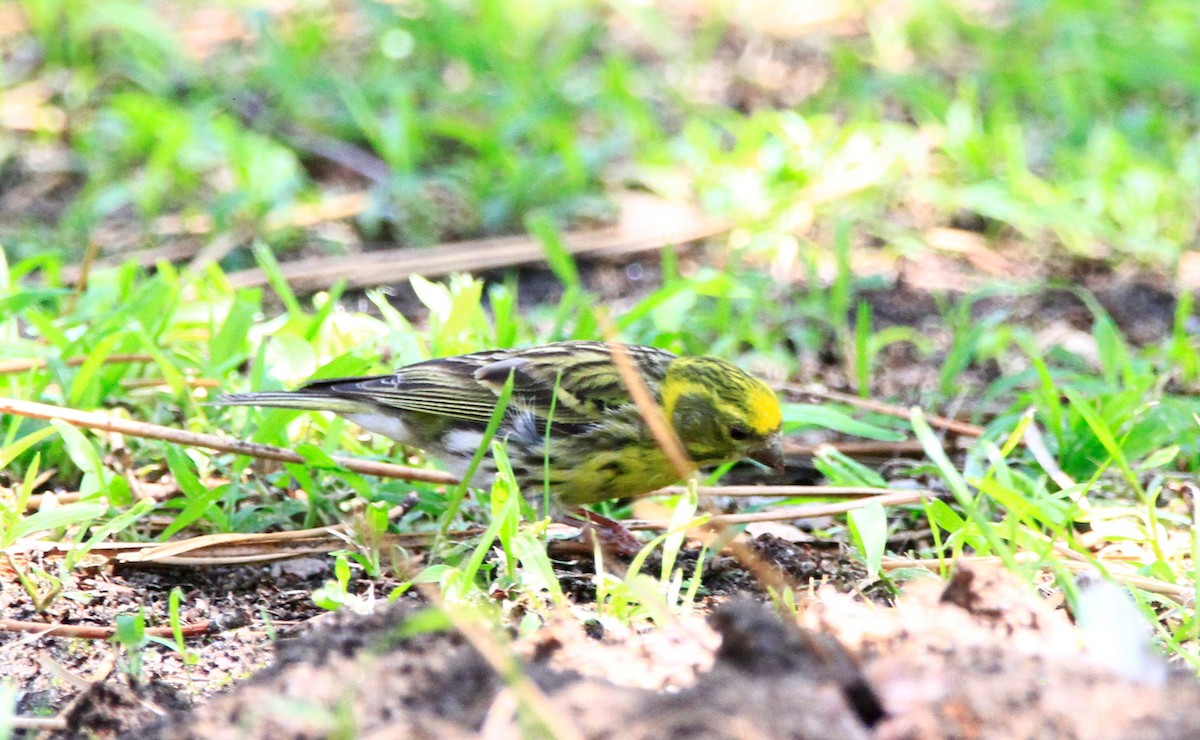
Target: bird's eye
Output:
[(739, 433)]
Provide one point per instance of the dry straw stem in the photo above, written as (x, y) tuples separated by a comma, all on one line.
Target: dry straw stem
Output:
[(93, 420), (93, 632), (646, 223), (808, 511), (187, 228), (231, 549), (879, 407), (664, 435), (10, 367), (48, 724), (907, 448), (767, 574), (1145, 583), (778, 491)]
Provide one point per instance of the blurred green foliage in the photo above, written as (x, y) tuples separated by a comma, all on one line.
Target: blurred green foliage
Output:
[(1068, 125)]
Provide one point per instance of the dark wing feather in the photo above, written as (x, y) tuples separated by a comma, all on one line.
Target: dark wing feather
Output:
[(466, 387), (443, 387), (577, 379)]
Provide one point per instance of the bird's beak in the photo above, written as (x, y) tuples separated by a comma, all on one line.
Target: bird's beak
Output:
[(770, 453)]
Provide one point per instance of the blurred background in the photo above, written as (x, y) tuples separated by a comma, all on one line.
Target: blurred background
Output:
[(1059, 130)]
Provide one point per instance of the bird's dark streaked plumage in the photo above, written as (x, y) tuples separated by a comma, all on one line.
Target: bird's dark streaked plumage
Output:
[(600, 447)]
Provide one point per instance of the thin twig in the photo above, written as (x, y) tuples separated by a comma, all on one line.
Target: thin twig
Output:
[(341, 153), (907, 448), (808, 511), (1145, 583), (9, 367), (646, 224), (49, 724), (777, 491), (879, 407), (230, 549), (92, 632), (93, 420), (664, 435)]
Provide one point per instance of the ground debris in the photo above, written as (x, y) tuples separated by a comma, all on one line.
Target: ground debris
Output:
[(983, 656), (113, 708), (358, 675)]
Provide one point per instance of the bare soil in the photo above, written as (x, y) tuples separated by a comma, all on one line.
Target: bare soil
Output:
[(980, 657)]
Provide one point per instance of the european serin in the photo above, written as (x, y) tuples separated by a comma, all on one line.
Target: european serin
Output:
[(599, 445)]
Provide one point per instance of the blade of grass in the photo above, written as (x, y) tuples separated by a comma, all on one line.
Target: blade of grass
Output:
[(958, 487), (455, 497)]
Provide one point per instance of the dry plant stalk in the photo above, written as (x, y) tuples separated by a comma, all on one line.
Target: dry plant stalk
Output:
[(94, 632), (1145, 583), (93, 420), (9, 367), (879, 407), (765, 573)]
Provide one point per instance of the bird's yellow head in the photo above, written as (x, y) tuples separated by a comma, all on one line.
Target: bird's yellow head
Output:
[(722, 413)]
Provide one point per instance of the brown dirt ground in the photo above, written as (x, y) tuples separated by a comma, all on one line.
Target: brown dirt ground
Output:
[(981, 657), (249, 607)]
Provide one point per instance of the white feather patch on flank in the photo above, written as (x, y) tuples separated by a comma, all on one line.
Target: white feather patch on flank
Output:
[(384, 424), (457, 449), (462, 442)]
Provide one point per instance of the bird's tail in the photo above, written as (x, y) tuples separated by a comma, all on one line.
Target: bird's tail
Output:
[(302, 399)]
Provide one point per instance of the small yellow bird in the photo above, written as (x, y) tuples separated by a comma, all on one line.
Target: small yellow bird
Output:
[(598, 447)]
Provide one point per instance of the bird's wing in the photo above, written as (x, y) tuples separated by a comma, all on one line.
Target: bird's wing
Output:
[(568, 382), (572, 382), (443, 387)]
